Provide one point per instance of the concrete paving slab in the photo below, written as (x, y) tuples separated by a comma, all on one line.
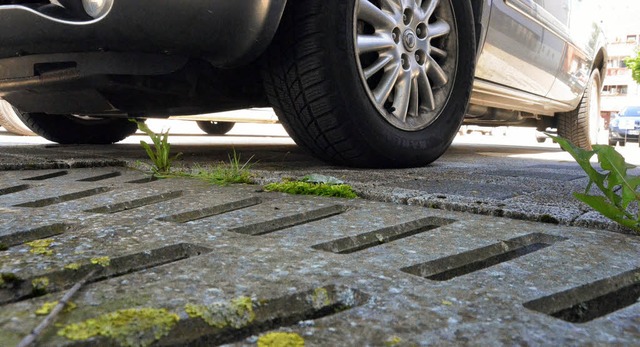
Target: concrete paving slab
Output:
[(497, 181), (234, 263)]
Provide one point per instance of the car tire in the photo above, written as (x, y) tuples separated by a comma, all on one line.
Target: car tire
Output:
[(11, 122), (584, 126), (612, 142), (215, 128), (541, 139), (350, 81), (622, 143), (73, 129)]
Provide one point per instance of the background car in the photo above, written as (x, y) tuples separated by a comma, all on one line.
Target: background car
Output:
[(625, 126), (364, 83)]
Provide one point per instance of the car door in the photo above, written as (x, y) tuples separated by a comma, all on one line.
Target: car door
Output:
[(573, 21), (519, 50)]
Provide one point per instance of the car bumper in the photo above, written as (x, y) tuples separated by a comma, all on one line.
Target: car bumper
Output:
[(624, 135), (226, 33)]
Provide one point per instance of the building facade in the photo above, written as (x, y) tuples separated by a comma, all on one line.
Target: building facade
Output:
[(619, 89)]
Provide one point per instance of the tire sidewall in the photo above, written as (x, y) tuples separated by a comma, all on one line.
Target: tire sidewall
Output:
[(394, 144), (70, 129)]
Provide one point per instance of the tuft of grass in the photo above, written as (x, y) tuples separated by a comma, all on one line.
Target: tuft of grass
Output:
[(235, 171), (160, 154), (619, 196), (311, 188)]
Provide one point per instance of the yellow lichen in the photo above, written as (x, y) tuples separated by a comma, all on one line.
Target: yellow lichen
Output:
[(320, 298), (41, 246), (102, 261), (47, 307), (72, 266), (280, 339), (40, 284), (211, 316), (236, 313), (129, 327), (393, 341)]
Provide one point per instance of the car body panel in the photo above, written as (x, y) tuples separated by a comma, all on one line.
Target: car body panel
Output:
[(537, 56), (226, 33), (515, 52)]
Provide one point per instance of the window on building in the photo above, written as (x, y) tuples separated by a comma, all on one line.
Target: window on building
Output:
[(615, 90), (615, 63), (632, 38)]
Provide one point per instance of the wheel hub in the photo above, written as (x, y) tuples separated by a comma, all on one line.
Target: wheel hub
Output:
[(410, 40)]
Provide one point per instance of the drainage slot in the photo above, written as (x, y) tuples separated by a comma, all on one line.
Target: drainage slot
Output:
[(47, 176), (65, 198), (227, 324), (14, 189), (290, 221), (377, 237), (129, 205), (101, 177), (144, 180), (591, 301), (21, 237), (444, 269), (211, 211), (21, 289)]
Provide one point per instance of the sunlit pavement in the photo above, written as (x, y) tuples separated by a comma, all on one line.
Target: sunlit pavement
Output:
[(187, 133)]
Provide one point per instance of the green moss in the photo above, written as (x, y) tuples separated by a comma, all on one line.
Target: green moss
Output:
[(40, 247), (280, 339), (320, 298), (8, 278), (3, 247), (129, 327), (48, 306), (40, 285), (72, 266), (306, 188), (236, 313), (102, 261)]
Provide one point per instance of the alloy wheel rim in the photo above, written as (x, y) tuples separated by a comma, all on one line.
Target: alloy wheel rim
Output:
[(407, 54)]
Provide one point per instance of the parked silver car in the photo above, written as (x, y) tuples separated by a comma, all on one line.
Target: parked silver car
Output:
[(382, 83)]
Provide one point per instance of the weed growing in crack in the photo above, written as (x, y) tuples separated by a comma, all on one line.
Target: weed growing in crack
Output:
[(232, 172), (619, 199), (160, 154), (235, 171)]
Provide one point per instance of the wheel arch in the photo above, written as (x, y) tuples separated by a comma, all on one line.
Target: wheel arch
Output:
[(600, 63), (481, 13)]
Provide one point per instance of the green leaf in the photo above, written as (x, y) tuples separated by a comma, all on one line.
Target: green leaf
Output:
[(600, 204), (583, 158), (629, 191), (149, 151)]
